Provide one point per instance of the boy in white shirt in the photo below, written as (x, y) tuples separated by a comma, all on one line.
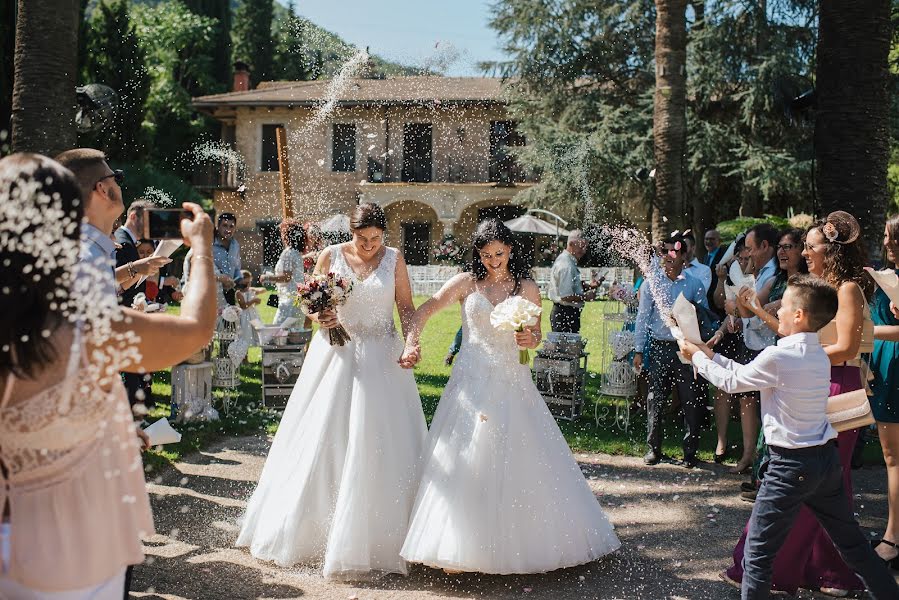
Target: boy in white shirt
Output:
[(804, 467)]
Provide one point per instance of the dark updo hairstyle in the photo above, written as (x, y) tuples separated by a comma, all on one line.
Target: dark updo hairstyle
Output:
[(368, 215), (38, 258), (494, 230), (293, 234)]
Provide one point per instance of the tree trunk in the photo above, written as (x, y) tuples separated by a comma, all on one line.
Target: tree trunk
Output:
[(852, 144), (669, 114), (46, 61), (703, 216)]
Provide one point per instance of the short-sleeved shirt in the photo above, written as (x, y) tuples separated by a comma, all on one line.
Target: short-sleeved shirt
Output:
[(565, 280), (290, 261), (96, 262), (227, 260)]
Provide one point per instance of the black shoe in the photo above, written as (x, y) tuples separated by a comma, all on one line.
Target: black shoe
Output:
[(748, 486), (748, 496), (892, 563), (720, 458), (652, 458), (690, 462)]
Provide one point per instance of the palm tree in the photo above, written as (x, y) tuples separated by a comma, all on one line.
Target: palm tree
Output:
[(852, 143), (45, 65), (669, 114)]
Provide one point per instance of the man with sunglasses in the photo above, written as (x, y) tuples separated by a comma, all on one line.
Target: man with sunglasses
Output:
[(653, 335), (103, 204)]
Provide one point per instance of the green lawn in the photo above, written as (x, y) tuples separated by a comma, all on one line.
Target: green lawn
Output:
[(611, 435)]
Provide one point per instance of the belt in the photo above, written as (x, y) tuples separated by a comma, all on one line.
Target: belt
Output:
[(800, 451)]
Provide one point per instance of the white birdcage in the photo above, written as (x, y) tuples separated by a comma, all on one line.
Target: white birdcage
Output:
[(226, 375), (618, 377)]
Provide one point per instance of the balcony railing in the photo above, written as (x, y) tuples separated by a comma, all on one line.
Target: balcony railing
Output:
[(215, 177)]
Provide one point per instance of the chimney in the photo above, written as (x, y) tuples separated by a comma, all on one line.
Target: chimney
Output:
[(241, 77)]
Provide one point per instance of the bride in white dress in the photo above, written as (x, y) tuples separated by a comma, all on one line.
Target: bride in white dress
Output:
[(500, 491), (341, 475)]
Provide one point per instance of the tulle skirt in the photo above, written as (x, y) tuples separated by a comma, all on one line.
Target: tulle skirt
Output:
[(341, 475), (500, 491)]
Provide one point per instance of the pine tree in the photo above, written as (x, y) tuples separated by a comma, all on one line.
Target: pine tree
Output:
[(253, 39), (115, 58), (296, 59), (220, 10), (584, 100)]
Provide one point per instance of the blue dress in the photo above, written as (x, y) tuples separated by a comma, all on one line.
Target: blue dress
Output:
[(884, 364)]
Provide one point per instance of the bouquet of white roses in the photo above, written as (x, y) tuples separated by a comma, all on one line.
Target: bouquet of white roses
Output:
[(514, 314), (322, 292)]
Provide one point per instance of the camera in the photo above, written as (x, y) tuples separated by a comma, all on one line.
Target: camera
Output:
[(165, 223)]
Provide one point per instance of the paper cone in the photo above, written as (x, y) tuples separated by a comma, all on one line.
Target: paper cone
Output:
[(729, 253), (887, 281), (684, 314), (161, 433)]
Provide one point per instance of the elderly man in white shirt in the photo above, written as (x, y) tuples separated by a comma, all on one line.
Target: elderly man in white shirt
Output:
[(566, 291)]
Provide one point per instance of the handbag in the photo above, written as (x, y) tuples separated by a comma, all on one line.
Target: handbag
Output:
[(273, 301), (849, 411)]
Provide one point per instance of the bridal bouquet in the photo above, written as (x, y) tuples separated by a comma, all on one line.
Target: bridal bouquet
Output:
[(322, 292), (514, 314)]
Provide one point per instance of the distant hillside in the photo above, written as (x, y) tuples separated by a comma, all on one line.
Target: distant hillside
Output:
[(335, 51)]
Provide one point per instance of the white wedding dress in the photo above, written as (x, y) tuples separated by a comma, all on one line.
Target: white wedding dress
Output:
[(500, 491), (341, 475)]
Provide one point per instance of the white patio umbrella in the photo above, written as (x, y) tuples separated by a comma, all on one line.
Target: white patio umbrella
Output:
[(531, 224), (338, 223)]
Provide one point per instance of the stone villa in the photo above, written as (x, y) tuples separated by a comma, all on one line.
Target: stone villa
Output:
[(432, 151)]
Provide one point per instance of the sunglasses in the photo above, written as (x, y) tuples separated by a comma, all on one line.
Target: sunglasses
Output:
[(118, 175)]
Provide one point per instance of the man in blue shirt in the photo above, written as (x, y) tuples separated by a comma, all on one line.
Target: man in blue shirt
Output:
[(652, 334)]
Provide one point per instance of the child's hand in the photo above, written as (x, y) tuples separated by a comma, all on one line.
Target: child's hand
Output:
[(688, 349)]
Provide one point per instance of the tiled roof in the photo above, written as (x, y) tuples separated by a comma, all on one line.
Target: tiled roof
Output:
[(395, 90)]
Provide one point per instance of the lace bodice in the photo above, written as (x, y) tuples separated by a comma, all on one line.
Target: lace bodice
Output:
[(41, 431), (369, 308), (481, 341)]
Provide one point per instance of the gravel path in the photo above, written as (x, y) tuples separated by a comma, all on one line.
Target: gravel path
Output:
[(677, 528)]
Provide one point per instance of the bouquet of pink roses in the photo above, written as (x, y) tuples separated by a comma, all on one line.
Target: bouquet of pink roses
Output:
[(325, 292)]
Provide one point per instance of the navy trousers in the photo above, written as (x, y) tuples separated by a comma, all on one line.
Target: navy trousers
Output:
[(810, 476)]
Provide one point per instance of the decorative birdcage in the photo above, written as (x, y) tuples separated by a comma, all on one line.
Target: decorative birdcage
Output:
[(618, 377), (226, 375)]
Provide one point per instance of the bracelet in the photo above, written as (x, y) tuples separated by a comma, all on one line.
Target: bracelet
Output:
[(132, 272), (201, 257)]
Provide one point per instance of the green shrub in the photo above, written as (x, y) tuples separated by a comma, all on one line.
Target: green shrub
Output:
[(730, 229)]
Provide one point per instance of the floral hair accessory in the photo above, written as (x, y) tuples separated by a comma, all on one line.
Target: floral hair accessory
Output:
[(841, 228)]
